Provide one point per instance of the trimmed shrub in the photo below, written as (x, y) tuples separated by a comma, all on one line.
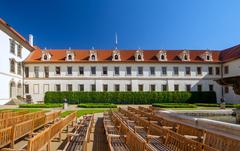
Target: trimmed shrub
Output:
[(97, 105), (40, 105), (214, 105), (237, 106), (174, 105), (130, 97)]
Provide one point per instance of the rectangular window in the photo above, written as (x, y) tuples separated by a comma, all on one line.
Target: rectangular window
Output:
[(81, 87), (188, 70), (175, 70), (19, 51), (210, 70), (36, 71), (12, 46), (210, 87), (140, 70), (12, 65), (140, 87), (129, 70), (93, 87), (26, 70), (226, 69), (58, 70), (129, 87), (152, 70), (45, 87), (164, 87), (116, 87), (69, 70), (19, 68), (93, 70), (105, 87), (36, 89), (152, 87), (199, 71), (104, 70), (58, 87), (46, 72), (176, 87), (164, 70), (188, 87), (217, 70), (69, 87), (26, 88), (199, 88), (81, 70), (116, 70), (226, 89)]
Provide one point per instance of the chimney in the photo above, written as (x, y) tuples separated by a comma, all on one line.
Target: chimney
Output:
[(31, 39)]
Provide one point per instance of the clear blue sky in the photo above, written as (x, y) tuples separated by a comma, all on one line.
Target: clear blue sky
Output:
[(148, 24)]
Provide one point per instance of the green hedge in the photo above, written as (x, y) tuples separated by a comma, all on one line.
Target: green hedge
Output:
[(40, 105), (97, 105), (174, 105), (130, 97), (215, 105)]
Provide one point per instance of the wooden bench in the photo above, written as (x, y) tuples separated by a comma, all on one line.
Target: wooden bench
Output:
[(79, 139)]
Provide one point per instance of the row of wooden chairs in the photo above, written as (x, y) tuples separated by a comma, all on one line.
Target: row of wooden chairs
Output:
[(218, 141), (116, 142), (10, 134), (81, 135), (4, 123), (9, 113), (158, 137), (42, 140)]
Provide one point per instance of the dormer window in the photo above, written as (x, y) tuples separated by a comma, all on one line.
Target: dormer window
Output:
[(46, 56), (185, 56), (162, 55), (139, 55), (93, 55), (70, 56), (116, 55), (207, 56)]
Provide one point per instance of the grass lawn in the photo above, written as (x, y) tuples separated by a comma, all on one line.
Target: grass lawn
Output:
[(18, 110), (83, 112)]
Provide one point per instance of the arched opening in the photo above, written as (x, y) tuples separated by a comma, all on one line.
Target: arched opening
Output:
[(116, 57), (208, 57), (12, 89), (45, 57), (93, 57), (69, 57), (139, 57), (19, 89), (162, 57), (185, 57)]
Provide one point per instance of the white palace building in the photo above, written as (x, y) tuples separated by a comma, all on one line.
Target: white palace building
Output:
[(26, 70)]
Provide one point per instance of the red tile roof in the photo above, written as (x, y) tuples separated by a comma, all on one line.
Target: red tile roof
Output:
[(58, 56), (22, 39), (230, 53)]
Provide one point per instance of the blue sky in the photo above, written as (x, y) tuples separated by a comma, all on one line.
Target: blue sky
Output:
[(148, 24)]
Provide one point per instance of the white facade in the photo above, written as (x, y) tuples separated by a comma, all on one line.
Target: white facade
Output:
[(11, 82), (38, 86)]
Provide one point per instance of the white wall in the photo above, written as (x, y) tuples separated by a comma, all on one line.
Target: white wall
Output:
[(146, 79), (5, 75)]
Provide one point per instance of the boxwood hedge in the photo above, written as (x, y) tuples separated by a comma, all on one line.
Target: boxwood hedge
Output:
[(130, 97)]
